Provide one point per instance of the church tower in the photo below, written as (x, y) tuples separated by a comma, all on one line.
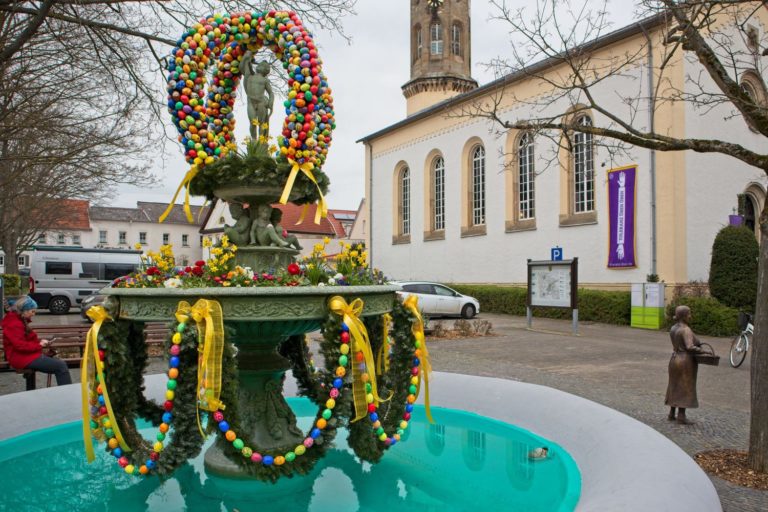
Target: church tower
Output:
[(440, 53)]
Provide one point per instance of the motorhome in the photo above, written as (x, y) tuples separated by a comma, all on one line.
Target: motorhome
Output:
[(60, 277)]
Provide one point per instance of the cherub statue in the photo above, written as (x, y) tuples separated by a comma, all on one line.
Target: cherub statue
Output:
[(262, 232), (240, 232), (275, 218), (259, 93)]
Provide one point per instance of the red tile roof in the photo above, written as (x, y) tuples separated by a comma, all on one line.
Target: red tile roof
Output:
[(71, 214), (291, 214)]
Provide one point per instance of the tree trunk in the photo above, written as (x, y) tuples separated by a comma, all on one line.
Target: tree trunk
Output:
[(10, 248), (758, 428)]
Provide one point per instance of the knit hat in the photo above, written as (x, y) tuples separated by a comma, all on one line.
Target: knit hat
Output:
[(24, 303)]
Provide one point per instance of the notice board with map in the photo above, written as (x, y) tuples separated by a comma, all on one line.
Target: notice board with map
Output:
[(553, 283)]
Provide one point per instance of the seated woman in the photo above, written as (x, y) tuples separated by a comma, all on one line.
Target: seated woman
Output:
[(23, 349)]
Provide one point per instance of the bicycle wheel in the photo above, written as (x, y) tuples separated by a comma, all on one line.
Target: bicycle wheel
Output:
[(738, 350)]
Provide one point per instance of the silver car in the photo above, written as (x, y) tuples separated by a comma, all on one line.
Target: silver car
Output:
[(436, 299)]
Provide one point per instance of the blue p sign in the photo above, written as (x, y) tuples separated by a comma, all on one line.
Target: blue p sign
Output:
[(557, 254)]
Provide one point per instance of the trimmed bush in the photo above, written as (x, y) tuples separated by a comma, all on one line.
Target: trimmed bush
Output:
[(594, 305), (708, 316), (733, 269), (11, 284)]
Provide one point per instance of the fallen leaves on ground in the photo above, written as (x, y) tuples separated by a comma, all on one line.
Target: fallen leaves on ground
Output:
[(733, 466)]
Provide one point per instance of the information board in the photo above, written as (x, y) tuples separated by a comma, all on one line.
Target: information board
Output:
[(552, 283)]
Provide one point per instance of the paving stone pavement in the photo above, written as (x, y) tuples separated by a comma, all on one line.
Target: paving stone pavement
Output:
[(620, 367)]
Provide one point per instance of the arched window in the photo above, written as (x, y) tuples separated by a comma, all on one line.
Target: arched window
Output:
[(405, 202), (478, 186), (752, 85), (583, 169), (526, 174), (436, 39), (419, 43), (456, 39), (438, 191)]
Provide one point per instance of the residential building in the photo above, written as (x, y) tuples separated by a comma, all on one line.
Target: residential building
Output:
[(125, 227)]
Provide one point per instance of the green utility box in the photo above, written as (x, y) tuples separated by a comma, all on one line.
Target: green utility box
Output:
[(647, 305)]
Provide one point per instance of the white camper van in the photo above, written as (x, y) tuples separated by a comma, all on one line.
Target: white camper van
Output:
[(60, 277)]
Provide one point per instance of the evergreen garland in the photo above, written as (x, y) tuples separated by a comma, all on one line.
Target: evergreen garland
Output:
[(256, 167), (125, 358), (393, 384)]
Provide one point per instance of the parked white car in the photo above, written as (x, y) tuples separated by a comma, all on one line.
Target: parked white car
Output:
[(436, 299)]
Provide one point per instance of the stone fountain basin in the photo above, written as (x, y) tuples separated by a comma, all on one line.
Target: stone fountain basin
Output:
[(303, 306)]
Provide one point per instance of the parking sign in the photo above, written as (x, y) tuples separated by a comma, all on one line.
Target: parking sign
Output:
[(557, 253)]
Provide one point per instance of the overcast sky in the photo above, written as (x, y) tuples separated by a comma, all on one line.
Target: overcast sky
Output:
[(365, 77)]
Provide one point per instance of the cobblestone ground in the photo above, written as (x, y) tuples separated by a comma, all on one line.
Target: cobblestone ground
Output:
[(620, 367)]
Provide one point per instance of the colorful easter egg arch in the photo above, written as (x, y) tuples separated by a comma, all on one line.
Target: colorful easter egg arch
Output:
[(206, 122)]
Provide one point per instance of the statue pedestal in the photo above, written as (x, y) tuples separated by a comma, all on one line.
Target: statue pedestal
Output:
[(268, 419)]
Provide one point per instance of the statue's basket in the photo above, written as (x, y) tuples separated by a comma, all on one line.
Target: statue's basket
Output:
[(707, 357)]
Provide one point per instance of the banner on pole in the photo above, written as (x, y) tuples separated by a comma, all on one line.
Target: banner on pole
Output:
[(622, 187)]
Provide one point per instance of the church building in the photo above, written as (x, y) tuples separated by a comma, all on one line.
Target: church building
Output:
[(454, 198)]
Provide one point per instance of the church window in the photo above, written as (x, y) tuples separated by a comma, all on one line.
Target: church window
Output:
[(438, 183), (584, 169), (419, 43), (526, 174), (478, 186), (436, 39), (752, 86), (405, 202), (456, 39)]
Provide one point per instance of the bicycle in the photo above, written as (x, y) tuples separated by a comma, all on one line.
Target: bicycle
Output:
[(740, 344)]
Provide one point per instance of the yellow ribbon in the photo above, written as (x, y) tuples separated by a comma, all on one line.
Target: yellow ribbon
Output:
[(90, 361), (425, 367), (383, 357), (350, 314), (210, 335), (306, 168), (185, 184)]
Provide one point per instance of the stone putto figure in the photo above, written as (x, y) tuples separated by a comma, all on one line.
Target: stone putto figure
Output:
[(259, 93)]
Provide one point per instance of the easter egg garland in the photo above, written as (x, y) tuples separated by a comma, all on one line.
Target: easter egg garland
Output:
[(205, 121)]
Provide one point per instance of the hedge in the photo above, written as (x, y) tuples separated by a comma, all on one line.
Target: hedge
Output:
[(11, 284), (733, 269), (594, 305), (708, 316)]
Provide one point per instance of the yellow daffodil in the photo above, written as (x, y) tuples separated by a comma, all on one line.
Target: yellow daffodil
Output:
[(137, 246)]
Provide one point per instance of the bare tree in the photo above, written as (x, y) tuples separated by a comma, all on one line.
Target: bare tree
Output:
[(718, 36), (81, 100)]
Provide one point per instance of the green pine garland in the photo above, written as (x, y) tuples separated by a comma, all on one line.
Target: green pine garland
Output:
[(126, 359)]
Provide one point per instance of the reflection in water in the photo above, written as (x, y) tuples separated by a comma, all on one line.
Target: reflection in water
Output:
[(520, 468), (463, 462), (473, 450), (435, 438)]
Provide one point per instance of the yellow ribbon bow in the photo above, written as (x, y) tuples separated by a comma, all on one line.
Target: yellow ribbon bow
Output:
[(350, 314), (306, 169), (383, 356), (90, 365), (185, 184), (210, 336), (425, 367)]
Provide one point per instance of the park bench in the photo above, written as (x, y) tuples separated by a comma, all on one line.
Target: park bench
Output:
[(69, 346)]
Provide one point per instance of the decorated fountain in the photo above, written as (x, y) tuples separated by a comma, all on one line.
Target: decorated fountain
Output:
[(239, 319)]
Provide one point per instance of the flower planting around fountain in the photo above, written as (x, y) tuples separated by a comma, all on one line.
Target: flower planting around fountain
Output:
[(239, 319)]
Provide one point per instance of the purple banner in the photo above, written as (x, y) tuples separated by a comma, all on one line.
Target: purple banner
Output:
[(621, 217)]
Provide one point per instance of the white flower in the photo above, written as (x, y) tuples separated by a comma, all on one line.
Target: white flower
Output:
[(331, 281), (339, 276), (320, 284), (173, 282), (249, 272)]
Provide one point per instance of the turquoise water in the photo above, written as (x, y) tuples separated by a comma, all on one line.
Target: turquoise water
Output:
[(463, 462)]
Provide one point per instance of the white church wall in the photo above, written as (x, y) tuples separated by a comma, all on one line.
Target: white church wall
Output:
[(500, 257), (714, 180)]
